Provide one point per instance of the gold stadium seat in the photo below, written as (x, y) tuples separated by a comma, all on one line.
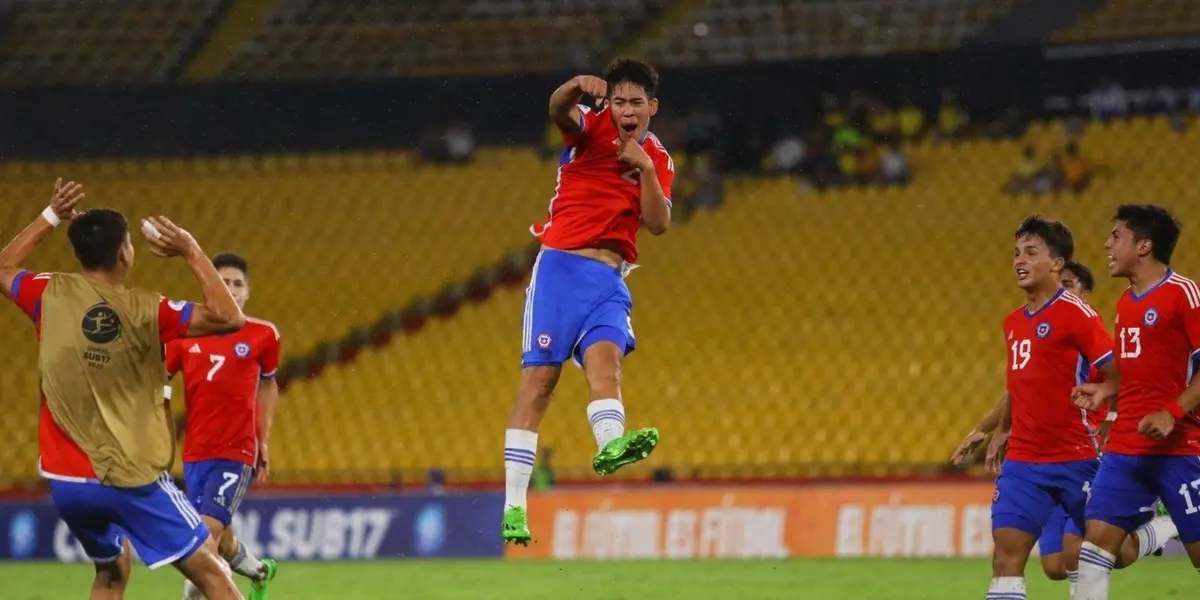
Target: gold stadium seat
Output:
[(1119, 19), (131, 41), (334, 241), (855, 331), (305, 40)]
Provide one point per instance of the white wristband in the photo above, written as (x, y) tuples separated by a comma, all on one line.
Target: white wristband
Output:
[(167, 392), (50, 217), (1112, 416)]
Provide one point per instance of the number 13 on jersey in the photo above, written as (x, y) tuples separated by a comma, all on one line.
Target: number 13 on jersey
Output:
[(1131, 342)]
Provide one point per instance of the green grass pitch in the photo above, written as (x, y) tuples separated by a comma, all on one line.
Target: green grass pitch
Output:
[(1157, 578)]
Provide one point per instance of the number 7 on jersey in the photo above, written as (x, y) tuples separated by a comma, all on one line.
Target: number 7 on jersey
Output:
[(217, 361)]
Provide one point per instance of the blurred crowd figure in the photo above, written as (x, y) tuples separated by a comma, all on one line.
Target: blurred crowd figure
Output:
[(861, 141), (448, 144), (1062, 171)]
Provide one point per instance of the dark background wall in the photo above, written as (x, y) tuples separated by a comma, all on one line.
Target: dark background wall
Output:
[(268, 117)]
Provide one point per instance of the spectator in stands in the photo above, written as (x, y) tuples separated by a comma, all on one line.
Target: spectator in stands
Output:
[(832, 114), (819, 169), (866, 160), (1076, 173), (786, 154), (952, 119), (882, 122), (1024, 178), (848, 166), (894, 165), (1051, 176), (847, 138), (1108, 101), (460, 143), (1011, 124), (910, 118)]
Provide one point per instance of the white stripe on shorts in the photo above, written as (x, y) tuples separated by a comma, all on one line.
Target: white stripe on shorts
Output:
[(527, 327), (186, 510)]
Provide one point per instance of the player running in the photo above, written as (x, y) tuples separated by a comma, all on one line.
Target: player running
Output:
[(1060, 535), (1154, 449), (1051, 456), (104, 433), (615, 177), (230, 393)]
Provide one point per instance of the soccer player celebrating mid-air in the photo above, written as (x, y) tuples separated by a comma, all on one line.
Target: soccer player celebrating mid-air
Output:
[(1060, 534), (104, 434), (230, 393), (1153, 451), (1052, 342), (614, 178)]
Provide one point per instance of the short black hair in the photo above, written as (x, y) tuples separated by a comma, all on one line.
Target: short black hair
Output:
[(1154, 223), (1084, 274), (632, 70), (233, 261), (97, 237), (1057, 236)]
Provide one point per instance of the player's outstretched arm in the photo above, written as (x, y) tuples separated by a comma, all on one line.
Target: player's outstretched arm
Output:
[(564, 102), (987, 425), (63, 200), (219, 313)]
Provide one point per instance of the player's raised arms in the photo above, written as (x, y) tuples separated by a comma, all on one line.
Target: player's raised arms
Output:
[(219, 313), (564, 102)]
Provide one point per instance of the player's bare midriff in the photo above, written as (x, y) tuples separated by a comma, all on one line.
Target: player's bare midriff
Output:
[(601, 253)]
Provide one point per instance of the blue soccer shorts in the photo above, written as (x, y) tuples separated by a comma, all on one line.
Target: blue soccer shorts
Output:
[(1051, 540), (572, 303), (1127, 487), (157, 518), (216, 487), (1027, 494)]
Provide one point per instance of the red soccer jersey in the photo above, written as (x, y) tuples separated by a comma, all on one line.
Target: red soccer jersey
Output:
[(1050, 352), (61, 457), (221, 374), (1157, 347), (597, 198)]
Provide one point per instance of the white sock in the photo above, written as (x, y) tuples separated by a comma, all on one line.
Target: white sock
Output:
[(190, 591), (1095, 572), (520, 448), (1007, 588), (1072, 582), (1155, 534), (246, 564), (607, 418)]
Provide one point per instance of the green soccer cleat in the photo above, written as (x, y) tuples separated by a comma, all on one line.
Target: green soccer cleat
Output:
[(1160, 510), (625, 450), (258, 589), (515, 528)]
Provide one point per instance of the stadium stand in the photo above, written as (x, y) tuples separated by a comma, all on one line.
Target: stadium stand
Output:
[(758, 339), (311, 39), (1122, 19), (732, 31), (335, 240), (47, 43), (735, 324)]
